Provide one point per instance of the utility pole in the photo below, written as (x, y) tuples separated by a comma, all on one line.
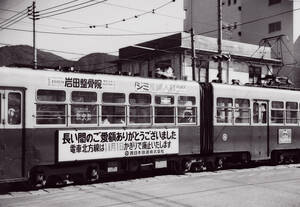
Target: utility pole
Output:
[(34, 37), (220, 40), (193, 58), (193, 54)]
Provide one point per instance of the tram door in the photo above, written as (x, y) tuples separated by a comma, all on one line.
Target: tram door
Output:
[(260, 129), (11, 134)]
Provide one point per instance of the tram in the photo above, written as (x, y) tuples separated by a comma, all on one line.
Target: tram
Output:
[(58, 126)]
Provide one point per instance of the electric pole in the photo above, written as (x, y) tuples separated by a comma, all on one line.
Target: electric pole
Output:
[(193, 54), (34, 15), (193, 58), (220, 40)]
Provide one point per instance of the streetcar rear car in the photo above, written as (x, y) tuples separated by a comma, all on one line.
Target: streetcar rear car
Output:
[(255, 123)]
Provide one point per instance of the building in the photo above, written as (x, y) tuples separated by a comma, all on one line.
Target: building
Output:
[(250, 21), (170, 57)]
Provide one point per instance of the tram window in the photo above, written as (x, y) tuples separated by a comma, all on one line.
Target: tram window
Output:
[(259, 113), (83, 114), (164, 111), (113, 97), (139, 98), (14, 108), (224, 110), (186, 109), (242, 111), (84, 96), (139, 108), (291, 112), (164, 100), (113, 114), (50, 114), (51, 95), (277, 112)]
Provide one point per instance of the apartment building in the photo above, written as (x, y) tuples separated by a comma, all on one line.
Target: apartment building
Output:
[(251, 21)]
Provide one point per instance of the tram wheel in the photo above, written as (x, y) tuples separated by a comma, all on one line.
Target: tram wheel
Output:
[(37, 180), (92, 174)]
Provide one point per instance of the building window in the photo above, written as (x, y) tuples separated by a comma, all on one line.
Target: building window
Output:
[(271, 2), (255, 75), (240, 33), (163, 69), (229, 2), (274, 27), (234, 1), (240, 8)]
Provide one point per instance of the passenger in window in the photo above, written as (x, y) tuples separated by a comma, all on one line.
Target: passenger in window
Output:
[(264, 113), (14, 116), (121, 120), (187, 117), (105, 120)]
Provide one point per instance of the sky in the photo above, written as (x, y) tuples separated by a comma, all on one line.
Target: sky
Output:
[(167, 19)]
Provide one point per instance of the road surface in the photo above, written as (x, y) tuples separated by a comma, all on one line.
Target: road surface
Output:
[(267, 186)]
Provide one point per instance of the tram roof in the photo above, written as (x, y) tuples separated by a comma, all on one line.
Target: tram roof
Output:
[(51, 78)]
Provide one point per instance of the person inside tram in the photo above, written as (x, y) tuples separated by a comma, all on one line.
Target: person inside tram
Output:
[(13, 116), (105, 120), (187, 117)]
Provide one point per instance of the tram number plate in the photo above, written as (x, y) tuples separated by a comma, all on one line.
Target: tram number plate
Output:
[(160, 164)]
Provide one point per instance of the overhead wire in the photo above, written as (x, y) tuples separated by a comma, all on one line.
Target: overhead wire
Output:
[(128, 18), (53, 7), (94, 35), (14, 19), (8, 24), (44, 15), (248, 22), (15, 16)]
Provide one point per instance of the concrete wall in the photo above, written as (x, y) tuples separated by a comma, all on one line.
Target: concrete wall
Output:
[(204, 16)]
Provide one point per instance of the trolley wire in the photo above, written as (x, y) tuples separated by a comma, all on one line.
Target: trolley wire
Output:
[(44, 15), (128, 18), (53, 7)]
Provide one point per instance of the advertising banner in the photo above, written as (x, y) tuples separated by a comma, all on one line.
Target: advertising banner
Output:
[(111, 143)]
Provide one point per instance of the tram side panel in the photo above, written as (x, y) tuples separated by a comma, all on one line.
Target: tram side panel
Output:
[(189, 140), (234, 132), (11, 154)]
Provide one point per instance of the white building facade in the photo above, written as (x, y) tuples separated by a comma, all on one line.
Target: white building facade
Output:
[(250, 21)]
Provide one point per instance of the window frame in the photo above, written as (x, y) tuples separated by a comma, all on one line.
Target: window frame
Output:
[(187, 108), (58, 103), (274, 27), (147, 104), (217, 108), (235, 108), (291, 110), (277, 109), (112, 104)]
